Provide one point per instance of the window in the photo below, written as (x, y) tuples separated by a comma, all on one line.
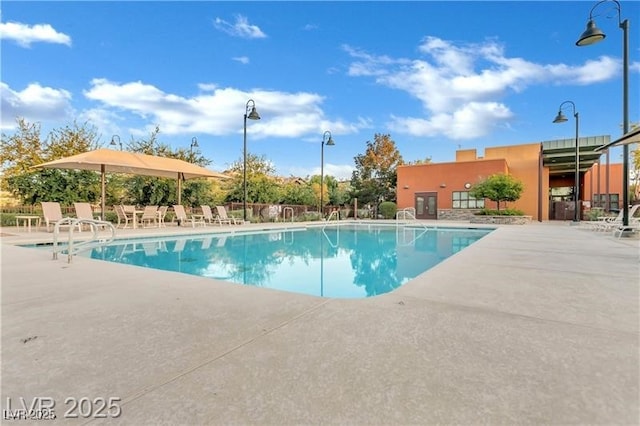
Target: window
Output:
[(600, 200), (463, 200)]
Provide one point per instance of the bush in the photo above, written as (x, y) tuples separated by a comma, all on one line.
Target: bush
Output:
[(8, 219), (388, 209), (505, 212), (363, 213), (308, 216)]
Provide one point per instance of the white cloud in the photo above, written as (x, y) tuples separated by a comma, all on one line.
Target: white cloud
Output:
[(34, 103), (462, 86), (219, 111), (240, 28), (241, 59), (25, 35), (339, 171)]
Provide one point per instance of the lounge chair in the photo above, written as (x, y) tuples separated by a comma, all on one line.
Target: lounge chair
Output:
[(613, 223), (182, 217), (52, 213), (162, 212), (208, 215), (223, 217), (149, 214), (84, 211)]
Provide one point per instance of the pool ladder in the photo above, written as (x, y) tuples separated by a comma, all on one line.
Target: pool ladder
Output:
[(74, 247), (410, 213)]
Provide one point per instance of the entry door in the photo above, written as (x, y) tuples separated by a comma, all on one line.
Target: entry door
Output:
[(426, 205)]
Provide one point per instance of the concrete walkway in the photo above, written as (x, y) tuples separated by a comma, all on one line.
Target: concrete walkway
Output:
[(531, 324)]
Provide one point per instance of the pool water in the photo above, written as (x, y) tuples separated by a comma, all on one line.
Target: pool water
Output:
[(347, 261)]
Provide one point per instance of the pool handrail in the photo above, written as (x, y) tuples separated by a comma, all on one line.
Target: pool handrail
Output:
[(75, 247)]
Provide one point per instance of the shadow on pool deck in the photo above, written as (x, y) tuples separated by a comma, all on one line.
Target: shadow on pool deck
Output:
[(531, 324)]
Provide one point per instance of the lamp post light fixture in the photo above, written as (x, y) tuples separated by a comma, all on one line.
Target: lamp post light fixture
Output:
[(560, 118), (329, 142), (194, 144), (115, 140), (251, 115), (593, 35)]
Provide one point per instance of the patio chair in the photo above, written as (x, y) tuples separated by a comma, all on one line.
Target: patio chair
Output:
[(149, 214), (182, 217), (613, 223), (84, 211), (208, 215), (52, 213), (162, 213), (223, 217), (123, 217)]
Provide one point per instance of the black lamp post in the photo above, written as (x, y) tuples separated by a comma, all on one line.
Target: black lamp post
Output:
[(560, 118), (194, 144), (115, 140), (329, 142), (253, 115), (593, 35)]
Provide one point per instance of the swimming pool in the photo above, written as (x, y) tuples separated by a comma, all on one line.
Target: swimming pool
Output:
[(346, 261)]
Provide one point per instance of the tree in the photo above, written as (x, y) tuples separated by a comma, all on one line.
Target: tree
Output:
[(298, 193), (25, 149), (262, 186), (499, 187), (375, 176)]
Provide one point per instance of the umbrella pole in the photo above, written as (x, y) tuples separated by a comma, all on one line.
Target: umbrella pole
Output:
[(179, 190), (102, 184)]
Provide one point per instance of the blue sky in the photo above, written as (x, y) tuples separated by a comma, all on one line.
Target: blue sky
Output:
[(436, 76)]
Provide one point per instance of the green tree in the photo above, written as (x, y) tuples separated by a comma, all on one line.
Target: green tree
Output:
[(375, 176), (262, 186), (25, 149), (498, 188), (298, 193)]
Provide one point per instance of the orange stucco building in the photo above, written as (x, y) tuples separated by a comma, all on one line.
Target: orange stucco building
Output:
[(547, 171)]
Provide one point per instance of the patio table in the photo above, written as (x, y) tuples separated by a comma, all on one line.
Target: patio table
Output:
[(26, 221)]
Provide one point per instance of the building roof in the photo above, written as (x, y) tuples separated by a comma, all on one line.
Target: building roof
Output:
[(560, 155)]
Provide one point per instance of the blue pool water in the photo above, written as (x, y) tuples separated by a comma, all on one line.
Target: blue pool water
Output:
[(349, 261)]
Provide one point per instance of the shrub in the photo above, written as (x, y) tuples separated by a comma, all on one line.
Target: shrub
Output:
[(388, 209), (505, 212)]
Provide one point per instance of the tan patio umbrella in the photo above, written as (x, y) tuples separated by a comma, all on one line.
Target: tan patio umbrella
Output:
[(110, 161)]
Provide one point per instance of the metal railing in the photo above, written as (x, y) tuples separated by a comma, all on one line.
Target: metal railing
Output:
[(74, 247), (408, 213)]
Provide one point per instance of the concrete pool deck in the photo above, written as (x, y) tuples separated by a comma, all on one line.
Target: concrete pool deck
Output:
[(531, 324)]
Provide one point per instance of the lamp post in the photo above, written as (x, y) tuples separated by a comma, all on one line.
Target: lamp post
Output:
[(253, 115), (329, 142), (593, 35), (194, 143), (115, 140), (560, 118)]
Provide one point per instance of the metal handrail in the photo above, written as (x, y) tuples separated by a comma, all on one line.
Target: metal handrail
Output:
[(75, 247), (284, 213), (409, 211), (335, 213)]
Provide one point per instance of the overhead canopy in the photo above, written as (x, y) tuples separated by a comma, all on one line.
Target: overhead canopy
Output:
[(628, 138), (107, 160), (560, 155), (112, 161)]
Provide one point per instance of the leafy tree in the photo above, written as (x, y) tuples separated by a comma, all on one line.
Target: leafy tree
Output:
[(498, 188), (298, 193), (375, 176), (25, 149), (262, 186)]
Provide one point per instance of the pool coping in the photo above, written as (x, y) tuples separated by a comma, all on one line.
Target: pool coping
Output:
[(530, 324)]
